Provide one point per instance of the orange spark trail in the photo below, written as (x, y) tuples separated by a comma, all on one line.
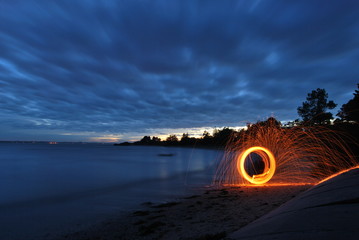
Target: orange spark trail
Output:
[(338, 173), (298, 155)]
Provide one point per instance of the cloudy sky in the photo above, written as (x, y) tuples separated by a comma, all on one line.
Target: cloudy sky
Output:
[(118, 70)]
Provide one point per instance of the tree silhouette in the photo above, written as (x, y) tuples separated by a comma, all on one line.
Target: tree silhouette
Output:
[(350, 110), (172, 138), (270, 121), (314, 110), (146, 140), (185, 137), (206, 135), (187, 140), (222, 136), (206, 139), (156, 139)]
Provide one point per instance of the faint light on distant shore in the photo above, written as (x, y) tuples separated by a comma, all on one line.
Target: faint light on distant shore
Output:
[(106, 138), (96, 137)]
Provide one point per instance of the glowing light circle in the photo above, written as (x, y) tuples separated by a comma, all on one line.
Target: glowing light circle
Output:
[(269, 165)]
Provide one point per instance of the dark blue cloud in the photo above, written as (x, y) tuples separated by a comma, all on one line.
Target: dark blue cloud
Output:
[(76, 70)]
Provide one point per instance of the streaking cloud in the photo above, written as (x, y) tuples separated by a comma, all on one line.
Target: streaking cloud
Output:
[(121, 67)]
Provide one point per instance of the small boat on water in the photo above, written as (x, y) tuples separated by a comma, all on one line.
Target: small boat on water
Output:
[(166, 154)]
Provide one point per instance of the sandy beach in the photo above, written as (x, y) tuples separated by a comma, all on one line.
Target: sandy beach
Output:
[(212, 214)]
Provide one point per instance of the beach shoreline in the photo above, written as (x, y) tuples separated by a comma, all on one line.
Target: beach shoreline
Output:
[(213, 213)]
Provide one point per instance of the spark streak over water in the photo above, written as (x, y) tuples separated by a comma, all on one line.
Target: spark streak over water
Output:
[(298, 155)]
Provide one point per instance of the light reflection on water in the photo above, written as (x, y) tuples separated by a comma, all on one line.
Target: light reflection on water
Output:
[(66, 184)]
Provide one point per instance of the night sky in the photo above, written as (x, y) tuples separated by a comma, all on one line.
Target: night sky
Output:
[(118, 70)]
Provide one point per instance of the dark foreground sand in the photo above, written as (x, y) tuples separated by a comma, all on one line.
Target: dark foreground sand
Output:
[(213, 214)]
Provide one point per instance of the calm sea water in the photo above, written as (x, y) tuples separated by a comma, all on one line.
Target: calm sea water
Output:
[(47, 189)]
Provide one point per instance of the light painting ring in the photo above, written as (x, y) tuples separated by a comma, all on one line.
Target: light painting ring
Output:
[(269, 165)]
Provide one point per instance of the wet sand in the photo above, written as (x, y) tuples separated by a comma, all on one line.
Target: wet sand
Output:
[(212, 214)]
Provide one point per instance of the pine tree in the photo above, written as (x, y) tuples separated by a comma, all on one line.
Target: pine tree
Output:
[(314, 110)]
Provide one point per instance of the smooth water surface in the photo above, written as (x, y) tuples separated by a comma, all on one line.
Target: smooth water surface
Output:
[(48, 189)]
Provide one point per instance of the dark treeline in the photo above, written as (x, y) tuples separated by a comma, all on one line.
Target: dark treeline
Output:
[(312, 112), (219, 138)]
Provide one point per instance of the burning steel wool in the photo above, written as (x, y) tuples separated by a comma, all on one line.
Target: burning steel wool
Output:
[(266, 157), (267, 153)]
